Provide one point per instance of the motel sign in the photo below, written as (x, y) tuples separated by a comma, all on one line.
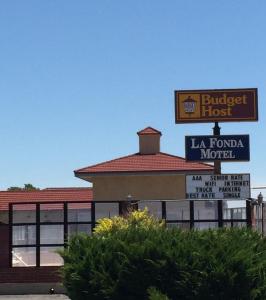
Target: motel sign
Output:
[(218, 187), (222, 147), (216, 105)]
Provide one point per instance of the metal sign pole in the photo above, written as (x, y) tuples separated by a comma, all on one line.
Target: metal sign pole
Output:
[(217, 163), (217, 170)]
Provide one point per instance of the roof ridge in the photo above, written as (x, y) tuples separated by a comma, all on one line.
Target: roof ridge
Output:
[(46, 190), (107, 161), (191, 162), (21, 191), (144, 162), (66, 188)]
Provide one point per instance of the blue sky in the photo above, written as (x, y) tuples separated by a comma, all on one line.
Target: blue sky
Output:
[(79, 78)]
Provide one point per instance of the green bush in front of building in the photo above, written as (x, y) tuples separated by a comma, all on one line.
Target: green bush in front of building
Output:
[(154, 294), (142, 259)]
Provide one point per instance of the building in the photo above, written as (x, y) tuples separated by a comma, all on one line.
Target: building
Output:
[(146, 175), (33, 225), (18, 239)]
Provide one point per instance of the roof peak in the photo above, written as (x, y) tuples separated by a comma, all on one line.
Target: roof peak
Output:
[(149, 130), (137, 162)]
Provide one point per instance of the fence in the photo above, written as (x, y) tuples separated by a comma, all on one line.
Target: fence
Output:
[(38, 229), (259, 217)]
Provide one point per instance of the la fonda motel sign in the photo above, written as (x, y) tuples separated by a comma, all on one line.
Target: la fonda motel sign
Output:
[(219, 105), (222, 147)]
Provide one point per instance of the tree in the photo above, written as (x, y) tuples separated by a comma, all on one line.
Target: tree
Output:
[(27, 187)]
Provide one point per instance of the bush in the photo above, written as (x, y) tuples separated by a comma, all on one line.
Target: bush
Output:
[(124, 262), (138, 219), (154, 294)]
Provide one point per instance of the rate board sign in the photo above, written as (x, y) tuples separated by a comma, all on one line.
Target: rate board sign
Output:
[(193, 106), (222, 148), (218, 187)]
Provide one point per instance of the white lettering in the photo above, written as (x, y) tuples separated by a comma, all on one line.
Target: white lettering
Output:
[(222, 143), (219, 154), (212, 142)]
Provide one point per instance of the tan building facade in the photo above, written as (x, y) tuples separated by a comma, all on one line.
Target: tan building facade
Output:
[(140, 187), (147, 175)]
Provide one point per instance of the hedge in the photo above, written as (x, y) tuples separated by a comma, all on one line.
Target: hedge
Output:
[(142, 259)]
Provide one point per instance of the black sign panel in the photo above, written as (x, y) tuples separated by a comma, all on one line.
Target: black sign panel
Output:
[(223, 148)]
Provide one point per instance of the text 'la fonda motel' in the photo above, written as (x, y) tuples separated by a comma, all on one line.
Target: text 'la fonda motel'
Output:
[(214, 143)]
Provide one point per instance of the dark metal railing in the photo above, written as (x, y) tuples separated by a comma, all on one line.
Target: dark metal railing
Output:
[(92, 209)]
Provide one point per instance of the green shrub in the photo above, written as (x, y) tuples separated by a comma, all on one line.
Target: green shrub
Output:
[(123, 263), (154, 294), (136, 219)]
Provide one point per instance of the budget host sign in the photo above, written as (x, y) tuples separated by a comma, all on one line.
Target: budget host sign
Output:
[(223, 148), (216, 105)]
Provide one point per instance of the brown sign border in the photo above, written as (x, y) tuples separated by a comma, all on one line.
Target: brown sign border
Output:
[(255, 118)]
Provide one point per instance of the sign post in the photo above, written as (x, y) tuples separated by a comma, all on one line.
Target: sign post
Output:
[(221, 105), (217, 170)]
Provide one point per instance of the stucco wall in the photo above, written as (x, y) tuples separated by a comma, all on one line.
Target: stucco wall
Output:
[(149, 144), (140, 187)]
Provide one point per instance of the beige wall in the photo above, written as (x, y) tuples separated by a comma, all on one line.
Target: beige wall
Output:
[(140, 187)]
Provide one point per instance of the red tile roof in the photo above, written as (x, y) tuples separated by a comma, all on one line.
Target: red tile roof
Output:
[(46, 195), (158, 162), (149, 130)]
